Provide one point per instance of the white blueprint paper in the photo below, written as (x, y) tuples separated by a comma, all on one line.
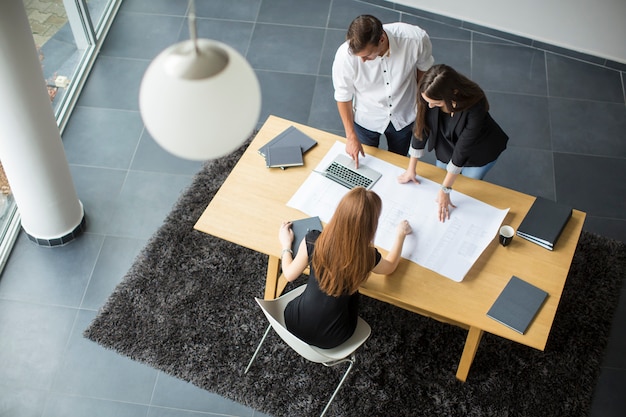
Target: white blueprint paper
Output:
[(448, 248)]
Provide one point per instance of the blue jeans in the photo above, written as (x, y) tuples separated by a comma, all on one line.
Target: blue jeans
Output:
[(398, 141), (472, 172)]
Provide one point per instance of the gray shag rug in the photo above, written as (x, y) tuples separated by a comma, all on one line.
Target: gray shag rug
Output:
[(186, 307)]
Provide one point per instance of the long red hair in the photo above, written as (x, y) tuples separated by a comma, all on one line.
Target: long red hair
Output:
[(344, 254)]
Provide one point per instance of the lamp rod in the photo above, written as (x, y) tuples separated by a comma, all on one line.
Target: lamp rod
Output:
[(193, 31)]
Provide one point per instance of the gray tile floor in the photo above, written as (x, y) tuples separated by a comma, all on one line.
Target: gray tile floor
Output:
[(566, 119)]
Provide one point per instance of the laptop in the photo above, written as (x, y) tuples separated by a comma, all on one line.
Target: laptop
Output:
[(342, 171)]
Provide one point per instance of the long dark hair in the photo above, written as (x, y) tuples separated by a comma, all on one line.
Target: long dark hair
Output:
[(442, 82), (363, 31)]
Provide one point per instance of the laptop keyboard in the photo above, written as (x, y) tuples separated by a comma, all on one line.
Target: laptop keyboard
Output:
[(346, 177)]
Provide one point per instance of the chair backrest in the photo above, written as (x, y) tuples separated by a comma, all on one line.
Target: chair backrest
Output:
[(274, 311)]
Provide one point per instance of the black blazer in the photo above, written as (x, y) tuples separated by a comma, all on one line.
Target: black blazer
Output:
[(476, 138)]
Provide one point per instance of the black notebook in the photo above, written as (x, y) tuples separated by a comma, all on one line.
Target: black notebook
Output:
[(284, 156), (518, 304), (544, 222), (301, 228), (289, 137)]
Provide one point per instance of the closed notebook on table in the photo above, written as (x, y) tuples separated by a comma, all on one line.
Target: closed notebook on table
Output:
[(284, 156), (301, 227), (290, 137), (544, 222), (518, 304)]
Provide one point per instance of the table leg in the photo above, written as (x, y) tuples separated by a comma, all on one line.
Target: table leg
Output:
[(271, 280), (469, 351)]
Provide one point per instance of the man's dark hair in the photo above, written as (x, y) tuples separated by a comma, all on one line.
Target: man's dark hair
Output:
[(363, 31)]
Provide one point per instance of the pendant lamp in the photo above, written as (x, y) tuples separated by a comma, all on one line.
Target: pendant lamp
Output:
[(199, 99)]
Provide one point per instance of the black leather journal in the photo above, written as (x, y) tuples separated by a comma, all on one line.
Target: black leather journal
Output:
[(544, 222)]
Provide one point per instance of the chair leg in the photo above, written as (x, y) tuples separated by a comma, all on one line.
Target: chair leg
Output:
[(345, 375), (258, 348)]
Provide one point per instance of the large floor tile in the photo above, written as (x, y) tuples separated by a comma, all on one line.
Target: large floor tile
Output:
[(454, 53), (484, 38), (246, 10), (588, 127), (437, 30), (324, 112), (524, 118), (114, 83), (529, 171), (32, 341), (71, 406), (288, 12), (150, 156), (509, 68), (343, 12), (333, 39), (141, 36), (575, 79), (89, 127), (286, 95), (609, 227), (598, 189), (98, 189), (286, 48), (21, 402), (177, 412), (167, 7), (50, 276), (144, 201), (237, 35)]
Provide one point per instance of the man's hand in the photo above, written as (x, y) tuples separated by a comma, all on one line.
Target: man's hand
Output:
[(354, 148)]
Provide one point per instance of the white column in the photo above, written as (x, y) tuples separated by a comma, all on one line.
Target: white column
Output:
[(31, 150)]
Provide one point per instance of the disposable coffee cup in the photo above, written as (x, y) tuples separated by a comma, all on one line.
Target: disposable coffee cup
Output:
[(506, 235)]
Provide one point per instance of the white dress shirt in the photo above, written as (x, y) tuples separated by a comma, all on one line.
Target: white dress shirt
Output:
[(384, 90)]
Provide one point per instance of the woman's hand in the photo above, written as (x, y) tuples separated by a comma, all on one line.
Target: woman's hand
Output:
[(404, 228), (444, 206), (285, 235), (408, 176)]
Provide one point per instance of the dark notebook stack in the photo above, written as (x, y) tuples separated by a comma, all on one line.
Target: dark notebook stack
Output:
[(517, 305), (544, 222), (287, 148)]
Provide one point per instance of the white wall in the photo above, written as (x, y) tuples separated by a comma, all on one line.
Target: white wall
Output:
[(595, 27)]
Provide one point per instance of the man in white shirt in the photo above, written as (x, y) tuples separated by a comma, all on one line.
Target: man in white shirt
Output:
[(375, 74)]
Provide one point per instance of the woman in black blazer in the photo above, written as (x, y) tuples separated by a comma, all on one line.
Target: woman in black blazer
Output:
[(453, 118)]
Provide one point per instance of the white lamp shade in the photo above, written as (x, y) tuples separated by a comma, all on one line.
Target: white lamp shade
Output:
[(197, 107)]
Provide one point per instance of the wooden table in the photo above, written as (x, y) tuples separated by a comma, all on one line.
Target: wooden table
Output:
[(249, 207)]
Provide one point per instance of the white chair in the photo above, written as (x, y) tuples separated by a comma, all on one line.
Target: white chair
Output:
[(274, 311)]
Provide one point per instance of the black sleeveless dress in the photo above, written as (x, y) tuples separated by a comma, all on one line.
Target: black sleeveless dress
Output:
[(317, 318)]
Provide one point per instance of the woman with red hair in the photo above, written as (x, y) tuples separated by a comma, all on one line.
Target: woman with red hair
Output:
[(341, 258)]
